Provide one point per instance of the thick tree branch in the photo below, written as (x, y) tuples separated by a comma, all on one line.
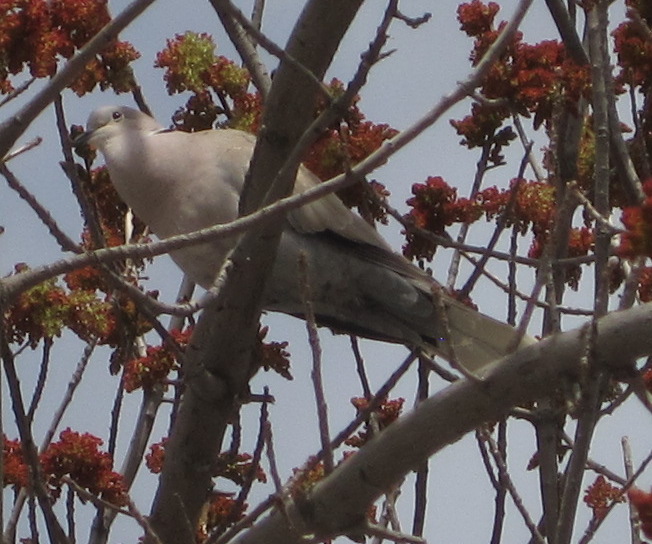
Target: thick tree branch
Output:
[(218, 363), (339, 502)]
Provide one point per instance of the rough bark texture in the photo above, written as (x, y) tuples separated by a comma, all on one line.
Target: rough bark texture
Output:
[(218, 363)]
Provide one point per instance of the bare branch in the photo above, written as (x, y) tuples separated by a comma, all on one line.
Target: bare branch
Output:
[(316, 374)]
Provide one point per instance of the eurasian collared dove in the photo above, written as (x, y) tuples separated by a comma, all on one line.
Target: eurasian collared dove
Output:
[(178, 182)]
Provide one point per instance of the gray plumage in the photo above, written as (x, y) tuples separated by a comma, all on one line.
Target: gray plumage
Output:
[(178, 182)]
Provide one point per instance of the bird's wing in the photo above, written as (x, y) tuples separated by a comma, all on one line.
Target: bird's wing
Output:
[(330, 214), (326, 214)]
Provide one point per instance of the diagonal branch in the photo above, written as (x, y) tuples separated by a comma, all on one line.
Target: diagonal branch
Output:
[(15, 126), (339, 502)]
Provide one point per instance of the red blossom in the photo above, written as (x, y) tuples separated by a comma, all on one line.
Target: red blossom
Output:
[(273, 355), (154, 459), (477, 18), (43, 311), (36, 34), (191, 64), (642, 502), (221, 511), (238, 468), (529, 79), (637, 238), (580, 242), (384, 415), (600, 495), (78, 456), (155, 366), (15, 471), (634, 50), (435, 206), (343, 145)]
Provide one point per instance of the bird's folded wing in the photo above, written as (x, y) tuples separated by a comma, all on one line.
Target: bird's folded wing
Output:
[(330, 214)]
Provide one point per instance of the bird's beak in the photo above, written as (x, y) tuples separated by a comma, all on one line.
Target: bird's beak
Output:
[(82, 139)]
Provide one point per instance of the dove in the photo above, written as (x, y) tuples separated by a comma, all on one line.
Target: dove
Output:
[(178, 182)]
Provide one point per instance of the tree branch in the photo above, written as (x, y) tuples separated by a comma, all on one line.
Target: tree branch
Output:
[(339, 502), (15, 126)]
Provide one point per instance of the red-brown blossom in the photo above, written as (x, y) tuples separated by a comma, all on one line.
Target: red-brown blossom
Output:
[(633, 49), (642, 502), (15, 471), (239, 468), (191, 64), (155, 366), (580, 242), (154, 459), (43, 311), (600, 495), (36, 34), (221, 511), (78, 456), (637, 238), (383, 415), (527, 79), (435, 206), (273, 355)]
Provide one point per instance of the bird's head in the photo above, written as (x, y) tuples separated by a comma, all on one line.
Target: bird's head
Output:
[(109, 122)]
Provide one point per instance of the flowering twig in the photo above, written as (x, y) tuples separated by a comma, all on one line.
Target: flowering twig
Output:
[(15, 126)]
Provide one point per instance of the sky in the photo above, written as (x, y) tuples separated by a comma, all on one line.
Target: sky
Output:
[(426, 64)]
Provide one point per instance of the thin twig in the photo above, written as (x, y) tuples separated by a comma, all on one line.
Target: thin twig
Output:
[(131, 511), (316, 374), (360, 367), (65, 242), (509, 484), (40, 382)]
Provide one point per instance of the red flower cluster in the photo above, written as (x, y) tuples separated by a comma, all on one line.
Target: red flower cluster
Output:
[(44, 310), (75, 455), (154, 459), (154, 367), (385, 414), (238, 468), (435, 206), (78, 456), (600, 495), (15, 471), (272, 355), (580, 242), (526, 205), (637, 238), (344, 144), (527, 79), (642, 502), (191, 65), (633, 49), (304, 480), (35, 33), (221, 511)]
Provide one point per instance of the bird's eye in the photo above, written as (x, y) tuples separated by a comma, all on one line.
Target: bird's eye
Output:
[(117, 115)]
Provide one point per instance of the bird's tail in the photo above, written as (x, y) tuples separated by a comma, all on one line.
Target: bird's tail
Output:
[(472, 339)]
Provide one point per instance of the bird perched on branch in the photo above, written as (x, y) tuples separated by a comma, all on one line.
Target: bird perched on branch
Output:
[(178, 182)]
